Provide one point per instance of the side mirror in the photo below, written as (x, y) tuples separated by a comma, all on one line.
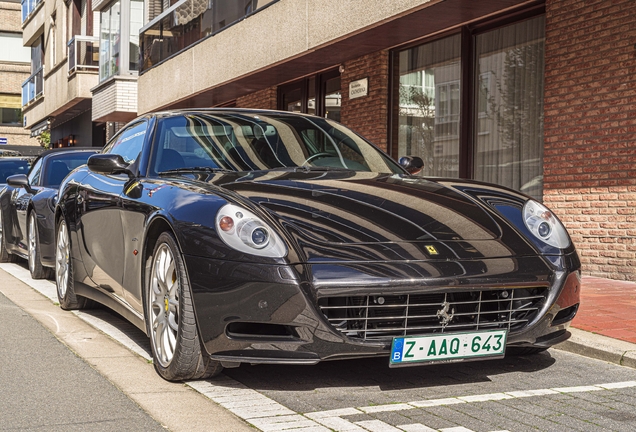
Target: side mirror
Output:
[(413, 164), (108, 164), (19, 181)]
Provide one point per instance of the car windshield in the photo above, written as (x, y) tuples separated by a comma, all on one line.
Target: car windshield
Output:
[(263, 141), (11, 167), (60, 165)]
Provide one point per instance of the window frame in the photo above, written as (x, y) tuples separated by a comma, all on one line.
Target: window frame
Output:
[(467, 86), (320, 91)]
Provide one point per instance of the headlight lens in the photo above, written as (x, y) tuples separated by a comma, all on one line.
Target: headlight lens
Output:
[(244, 231), (544, 225)]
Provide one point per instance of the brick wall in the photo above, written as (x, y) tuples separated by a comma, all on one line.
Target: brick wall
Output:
[(10, 17), (368, 115), (12, 75), (263, 99), (590, 129)]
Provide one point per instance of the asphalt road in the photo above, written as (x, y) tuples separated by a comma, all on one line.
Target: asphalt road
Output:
[(45, 386), (552, 391)]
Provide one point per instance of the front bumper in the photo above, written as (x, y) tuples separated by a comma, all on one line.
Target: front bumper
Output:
[(256, 313)]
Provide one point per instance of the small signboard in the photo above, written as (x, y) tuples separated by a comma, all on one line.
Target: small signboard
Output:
[(358, 88), (4, 141)]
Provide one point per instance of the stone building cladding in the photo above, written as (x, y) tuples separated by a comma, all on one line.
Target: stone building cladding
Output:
[(368, 115), (590, 130), (10, 16), (263, 99), (12, 75)]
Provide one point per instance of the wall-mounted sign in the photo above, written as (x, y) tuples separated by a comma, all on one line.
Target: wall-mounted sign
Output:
[(358, 88), (4, 141)]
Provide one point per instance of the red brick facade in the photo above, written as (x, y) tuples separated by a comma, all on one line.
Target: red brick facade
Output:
[(590, 130), (264, 99), (368, 115)]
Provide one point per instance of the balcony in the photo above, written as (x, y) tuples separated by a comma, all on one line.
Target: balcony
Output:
[(186, 22), (83, 54), (32, 87), (28, 6)]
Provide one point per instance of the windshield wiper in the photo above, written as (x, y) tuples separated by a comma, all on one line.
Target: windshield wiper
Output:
[(195, 169)]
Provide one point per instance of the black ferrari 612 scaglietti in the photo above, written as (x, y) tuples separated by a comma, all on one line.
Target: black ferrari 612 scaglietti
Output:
[(238, 236), (27, 205)]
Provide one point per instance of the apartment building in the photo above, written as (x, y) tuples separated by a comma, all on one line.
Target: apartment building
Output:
[(14, 69), (536, 95), (64, 44)]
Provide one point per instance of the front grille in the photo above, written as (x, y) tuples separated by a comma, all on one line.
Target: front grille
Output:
[(377, 317)]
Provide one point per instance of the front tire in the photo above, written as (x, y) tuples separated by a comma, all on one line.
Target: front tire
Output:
[(38, 271), (170, 319), (64, 271)]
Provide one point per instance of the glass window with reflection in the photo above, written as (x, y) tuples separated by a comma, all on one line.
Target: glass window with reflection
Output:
[(109, 41), (509, 117), (429, 107)]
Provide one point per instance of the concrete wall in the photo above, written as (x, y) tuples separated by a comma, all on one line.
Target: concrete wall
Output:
[(590, 130), (284, 30)]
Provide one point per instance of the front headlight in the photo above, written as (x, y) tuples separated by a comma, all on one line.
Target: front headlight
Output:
[(244, 231), (544, 225)]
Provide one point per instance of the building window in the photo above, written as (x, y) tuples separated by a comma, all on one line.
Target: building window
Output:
[(12, 49), (319, 95), (429, 110), (136, 23), (496, 134), (109, 42), (509, 138), (10, 110)]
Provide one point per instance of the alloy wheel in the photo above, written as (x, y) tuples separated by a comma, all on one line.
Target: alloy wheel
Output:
[(32, 243), (164, 304), (62, 256)]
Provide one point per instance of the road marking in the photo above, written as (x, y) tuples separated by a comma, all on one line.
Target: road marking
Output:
[(270, 416)]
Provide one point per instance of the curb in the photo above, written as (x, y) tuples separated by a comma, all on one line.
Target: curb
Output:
[(600, 347)]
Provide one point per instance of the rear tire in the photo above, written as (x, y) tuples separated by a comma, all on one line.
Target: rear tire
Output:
[(38, 271), (64, 271), (171, 323)]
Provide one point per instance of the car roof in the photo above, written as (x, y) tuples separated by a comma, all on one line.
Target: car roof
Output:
[(69, 150), (169, 113)]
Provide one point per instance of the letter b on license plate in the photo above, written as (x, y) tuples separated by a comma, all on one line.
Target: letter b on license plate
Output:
[(448, 347)]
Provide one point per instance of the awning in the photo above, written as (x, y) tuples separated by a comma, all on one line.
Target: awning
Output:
[(40, 127)]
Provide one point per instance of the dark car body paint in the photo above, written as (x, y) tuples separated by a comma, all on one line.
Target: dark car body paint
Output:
[(346, 233), (18, 203)]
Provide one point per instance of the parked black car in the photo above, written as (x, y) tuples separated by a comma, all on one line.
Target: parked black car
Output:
[(27, 204), (238, 236)]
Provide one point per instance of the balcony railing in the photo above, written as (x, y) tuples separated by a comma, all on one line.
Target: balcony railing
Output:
[(186, 22), (83, 53), (32, 87), (29, 6)]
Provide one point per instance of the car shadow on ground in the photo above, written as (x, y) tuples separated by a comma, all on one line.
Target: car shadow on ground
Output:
[(376, 372)]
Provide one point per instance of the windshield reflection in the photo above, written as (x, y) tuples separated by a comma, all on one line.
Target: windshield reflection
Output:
[(240, 142)]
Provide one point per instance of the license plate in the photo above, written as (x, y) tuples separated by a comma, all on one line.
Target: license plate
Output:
[(448, 347)]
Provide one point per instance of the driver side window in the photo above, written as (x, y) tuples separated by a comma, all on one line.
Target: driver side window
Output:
[(34, 174), (129, 143)]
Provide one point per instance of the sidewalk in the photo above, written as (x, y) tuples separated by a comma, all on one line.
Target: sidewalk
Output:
[(605, 325)]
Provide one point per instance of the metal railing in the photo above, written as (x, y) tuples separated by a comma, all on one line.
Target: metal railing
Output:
[(83, 53), (185, 22), (32, 87), (28, 6)]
